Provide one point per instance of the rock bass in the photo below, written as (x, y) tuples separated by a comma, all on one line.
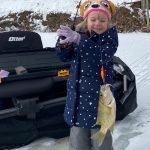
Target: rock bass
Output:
[(106, 114)]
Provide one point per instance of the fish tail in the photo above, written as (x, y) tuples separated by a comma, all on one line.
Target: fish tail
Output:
[(100, 135), (112, 127)]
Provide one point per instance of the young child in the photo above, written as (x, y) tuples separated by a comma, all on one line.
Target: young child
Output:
[(88, 48)]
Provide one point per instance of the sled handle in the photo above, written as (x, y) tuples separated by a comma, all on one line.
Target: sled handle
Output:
[(124, 79)]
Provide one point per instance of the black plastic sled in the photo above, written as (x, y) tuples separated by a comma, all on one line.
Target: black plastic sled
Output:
[(32, 97)]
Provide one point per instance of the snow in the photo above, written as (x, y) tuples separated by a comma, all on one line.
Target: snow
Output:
[(43, 6), (133, 132)]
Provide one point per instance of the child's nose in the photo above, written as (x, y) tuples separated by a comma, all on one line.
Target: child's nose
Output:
[(97, 23)]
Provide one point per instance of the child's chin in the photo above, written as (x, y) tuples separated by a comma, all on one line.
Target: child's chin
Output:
[(98, 32)]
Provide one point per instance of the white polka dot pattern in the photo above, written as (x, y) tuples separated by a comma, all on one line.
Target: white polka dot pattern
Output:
[(84, 81)]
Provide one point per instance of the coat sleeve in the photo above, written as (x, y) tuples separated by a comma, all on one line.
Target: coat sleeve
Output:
[(109, 47), (64, 52)]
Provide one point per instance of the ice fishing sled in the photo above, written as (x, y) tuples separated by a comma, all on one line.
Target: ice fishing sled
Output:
[(32, 96)]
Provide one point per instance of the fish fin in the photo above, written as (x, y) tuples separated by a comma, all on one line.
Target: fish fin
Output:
[(100, 135), (112, 127)]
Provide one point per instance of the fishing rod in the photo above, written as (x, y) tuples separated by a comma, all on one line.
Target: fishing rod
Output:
[(74, 21)]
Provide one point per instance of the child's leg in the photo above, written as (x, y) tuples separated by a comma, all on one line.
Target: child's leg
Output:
[(80, 139), (107, 143)]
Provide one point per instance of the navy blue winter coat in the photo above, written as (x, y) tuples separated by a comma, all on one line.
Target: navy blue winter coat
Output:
[(84, 82)]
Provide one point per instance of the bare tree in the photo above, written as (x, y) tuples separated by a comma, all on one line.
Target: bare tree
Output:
[(145, 8)]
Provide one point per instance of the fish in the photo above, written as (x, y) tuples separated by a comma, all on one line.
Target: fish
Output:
[(106, 114)]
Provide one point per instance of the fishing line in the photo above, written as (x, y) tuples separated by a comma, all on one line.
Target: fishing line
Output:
[(102, 70)]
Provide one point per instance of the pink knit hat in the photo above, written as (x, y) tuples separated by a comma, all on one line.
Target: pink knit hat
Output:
[(99, 8), (107, 7)]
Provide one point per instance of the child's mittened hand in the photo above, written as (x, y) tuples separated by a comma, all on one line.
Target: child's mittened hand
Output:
[(71, 36)]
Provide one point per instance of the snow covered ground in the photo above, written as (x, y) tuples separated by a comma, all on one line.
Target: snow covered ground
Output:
[(43, 6), (133, 132)]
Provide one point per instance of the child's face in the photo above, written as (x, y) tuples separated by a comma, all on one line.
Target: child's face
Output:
[(97, 22)]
